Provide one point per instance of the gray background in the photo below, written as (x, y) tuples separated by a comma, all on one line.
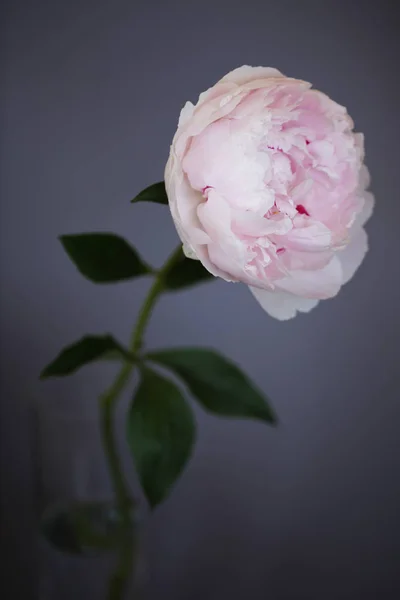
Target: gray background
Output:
[(90, 100)]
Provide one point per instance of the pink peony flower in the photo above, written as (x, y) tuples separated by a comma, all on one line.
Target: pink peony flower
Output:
[(266, 185)]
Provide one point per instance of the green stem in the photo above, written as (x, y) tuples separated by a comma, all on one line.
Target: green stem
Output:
[(126, 557), (107, 406), (107, 403), (155, 291)]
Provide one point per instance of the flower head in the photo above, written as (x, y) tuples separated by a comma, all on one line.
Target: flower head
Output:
[(266, 185)]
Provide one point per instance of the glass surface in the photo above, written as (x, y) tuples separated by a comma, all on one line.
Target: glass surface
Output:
[(85, 545)]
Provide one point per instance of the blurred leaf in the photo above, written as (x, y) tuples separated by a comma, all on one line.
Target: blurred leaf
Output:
[(161, 432), (82, 352), (185, 273), (153, 193), (104, 257), (219, 385), (114, 356)]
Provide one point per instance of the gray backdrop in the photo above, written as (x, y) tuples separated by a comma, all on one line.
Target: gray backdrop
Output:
[(90, 100)]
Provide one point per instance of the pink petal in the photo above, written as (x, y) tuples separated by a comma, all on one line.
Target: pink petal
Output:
[(251, 224), (308, 236)]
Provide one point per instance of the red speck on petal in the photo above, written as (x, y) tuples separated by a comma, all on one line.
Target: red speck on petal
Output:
[(205, 189), (280, 250), (302, 210)]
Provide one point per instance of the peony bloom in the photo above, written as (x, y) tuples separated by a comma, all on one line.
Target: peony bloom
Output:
[(266, 185)]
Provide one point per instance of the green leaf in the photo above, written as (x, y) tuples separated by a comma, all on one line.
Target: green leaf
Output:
[(104, 257), (161, 432), (218, 384), (153, 193), (82, 352), (186, 272), (115, 356)]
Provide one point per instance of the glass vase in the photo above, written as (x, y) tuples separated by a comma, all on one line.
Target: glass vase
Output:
[(89, 546)]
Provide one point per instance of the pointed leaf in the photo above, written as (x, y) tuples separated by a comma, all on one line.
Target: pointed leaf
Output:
[(82, 352), (153, 193), (185, 273), (104, 257), (161, 432), (219, 385)]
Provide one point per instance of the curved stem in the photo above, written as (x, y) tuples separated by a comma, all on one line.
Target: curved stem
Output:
[(155, 290), (107, 403), (107, 406)]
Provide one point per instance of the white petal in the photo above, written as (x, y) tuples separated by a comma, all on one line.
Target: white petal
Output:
[(352, 256), (321, 283), (366, 211), (186, 114), (219, 89), (281, 305), (224, 264), (365, 178), (189, 252), (359, 140), (244, 74), (183, 202)]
